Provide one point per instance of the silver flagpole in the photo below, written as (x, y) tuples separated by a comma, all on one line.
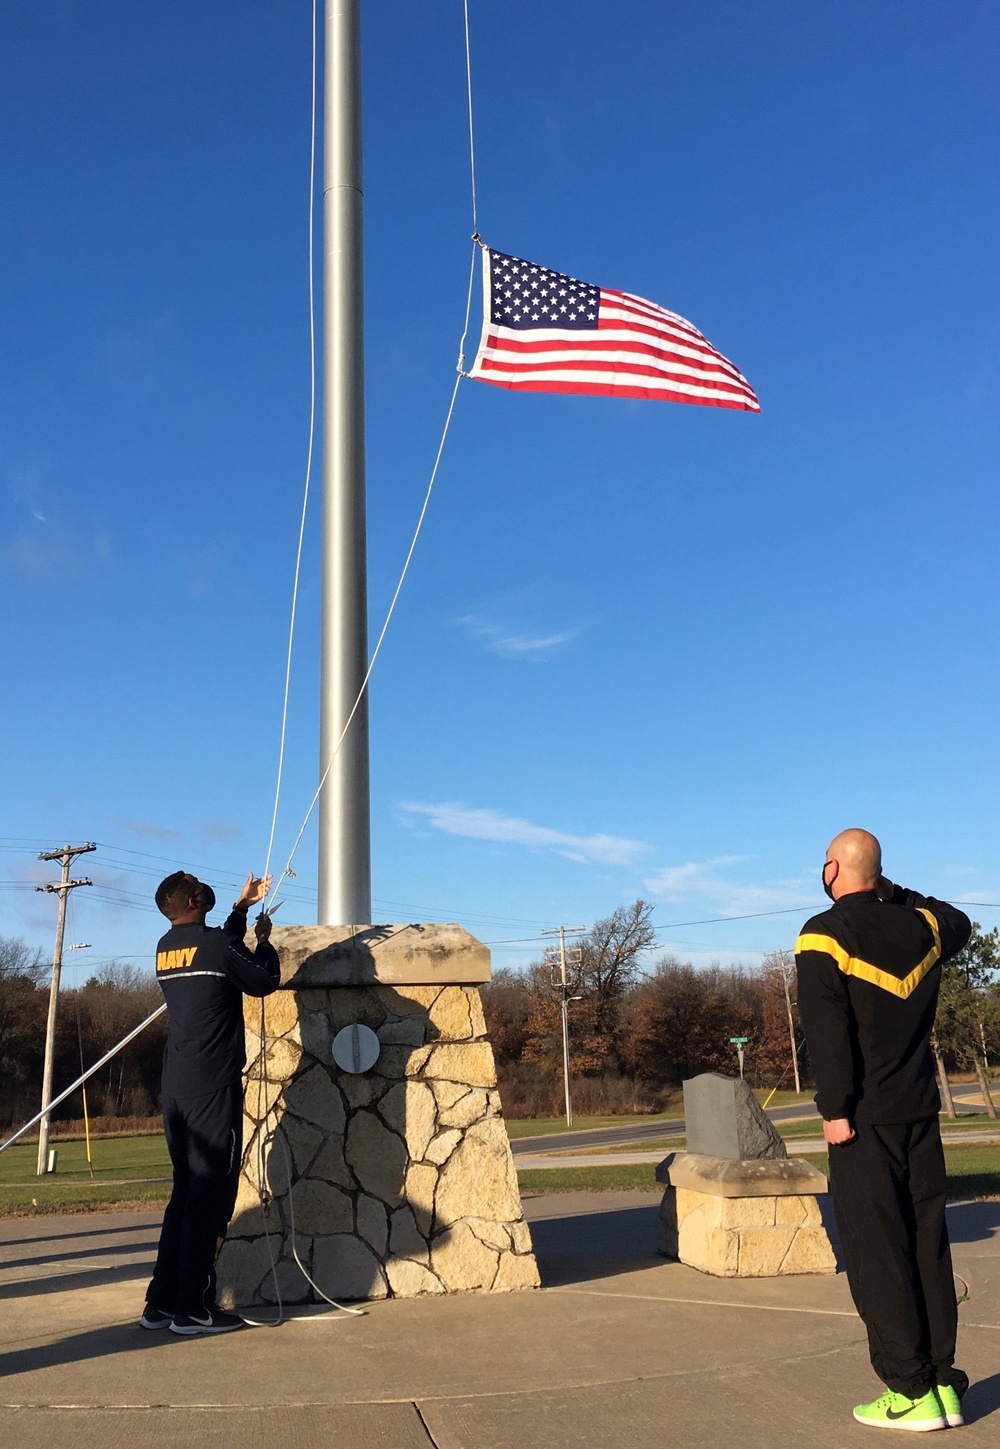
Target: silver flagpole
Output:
[(344, 828)]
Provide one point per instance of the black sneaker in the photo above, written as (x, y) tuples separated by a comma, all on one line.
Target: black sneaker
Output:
[(213, 1320), (153, 1317)]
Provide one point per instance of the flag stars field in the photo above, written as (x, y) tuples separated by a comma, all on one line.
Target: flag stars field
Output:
[(598, 341)]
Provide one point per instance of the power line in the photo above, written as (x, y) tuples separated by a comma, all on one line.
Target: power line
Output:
[(750, 916)]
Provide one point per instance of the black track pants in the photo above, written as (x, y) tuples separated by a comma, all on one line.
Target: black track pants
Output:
[(204, 1137), (889, 1195)]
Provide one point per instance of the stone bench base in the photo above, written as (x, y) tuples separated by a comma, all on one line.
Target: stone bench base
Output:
[(743, 1219)]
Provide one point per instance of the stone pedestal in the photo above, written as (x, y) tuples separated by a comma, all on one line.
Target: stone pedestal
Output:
[(393, 1182), (756, 1219)]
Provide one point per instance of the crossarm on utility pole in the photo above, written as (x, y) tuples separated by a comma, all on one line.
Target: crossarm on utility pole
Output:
[(574, 959), (65, 856)]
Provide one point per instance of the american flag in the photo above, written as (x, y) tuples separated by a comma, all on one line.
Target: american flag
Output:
[(546, 332)]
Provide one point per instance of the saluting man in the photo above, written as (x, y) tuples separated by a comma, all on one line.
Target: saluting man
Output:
[(869, 971), (204, 972)]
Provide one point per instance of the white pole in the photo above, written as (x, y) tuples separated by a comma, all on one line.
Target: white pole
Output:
[(783, 959), (565, 1026), (344, 830), (50, 1024), (565, 999), (65, 856)]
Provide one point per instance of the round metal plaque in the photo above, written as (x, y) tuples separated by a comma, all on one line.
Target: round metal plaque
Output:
[(356, 1048)]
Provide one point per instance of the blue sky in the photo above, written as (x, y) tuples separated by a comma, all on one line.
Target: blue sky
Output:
[(644, 649)]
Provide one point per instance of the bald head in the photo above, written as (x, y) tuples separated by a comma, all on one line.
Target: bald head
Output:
[(857, 856)]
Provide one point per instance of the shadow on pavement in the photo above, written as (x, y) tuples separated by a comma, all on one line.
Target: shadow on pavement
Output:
[(982, 1399), (60, 1282), (71, 1234), (79, 1347), (973, 1222), (147, 1245), (595, 1245)]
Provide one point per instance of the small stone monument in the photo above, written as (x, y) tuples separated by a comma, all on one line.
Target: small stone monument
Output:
[(723, 1118), (736, 1205), (384, 1161)]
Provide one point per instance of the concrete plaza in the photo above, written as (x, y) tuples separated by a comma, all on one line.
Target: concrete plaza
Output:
[(619, 1348)]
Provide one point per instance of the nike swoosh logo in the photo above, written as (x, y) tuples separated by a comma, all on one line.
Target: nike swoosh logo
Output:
[(891, 1413)]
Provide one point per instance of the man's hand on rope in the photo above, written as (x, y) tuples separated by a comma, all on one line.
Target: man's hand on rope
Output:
[(262, 927), (255, 889)]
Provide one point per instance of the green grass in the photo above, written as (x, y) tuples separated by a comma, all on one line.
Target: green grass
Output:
[(789, 1131), (542, 1126), (973, 1171), (114, 1158), (71, 1189), (968, 1122), (588, 1179), (79, 1197)]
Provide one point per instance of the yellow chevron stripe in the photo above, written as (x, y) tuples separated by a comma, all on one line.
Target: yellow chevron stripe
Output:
[(865, 971)]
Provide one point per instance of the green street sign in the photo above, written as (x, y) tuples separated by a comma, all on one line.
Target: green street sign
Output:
[(738, 1040)]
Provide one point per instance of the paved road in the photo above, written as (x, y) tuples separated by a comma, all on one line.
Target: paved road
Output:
[(968, 1098), (634, 1132), (637, 1158)]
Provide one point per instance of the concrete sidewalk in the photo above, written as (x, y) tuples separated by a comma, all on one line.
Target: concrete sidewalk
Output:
[(619, 1348)]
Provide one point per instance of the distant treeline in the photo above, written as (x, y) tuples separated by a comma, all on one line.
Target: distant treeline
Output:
[(639, 1027), (91, 1020)]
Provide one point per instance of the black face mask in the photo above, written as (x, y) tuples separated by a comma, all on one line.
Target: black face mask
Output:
[(822, 876), (206, 896)]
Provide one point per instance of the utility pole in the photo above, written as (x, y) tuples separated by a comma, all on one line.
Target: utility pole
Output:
[(785, 964), (574, 958), (65, 856), (344, 824)]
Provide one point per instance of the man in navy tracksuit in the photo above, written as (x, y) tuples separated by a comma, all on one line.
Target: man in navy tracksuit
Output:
[(203, 972), (869, 970)]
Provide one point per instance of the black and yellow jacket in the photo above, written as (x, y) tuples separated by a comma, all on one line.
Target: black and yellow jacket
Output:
[(204, 972), (868, 978)]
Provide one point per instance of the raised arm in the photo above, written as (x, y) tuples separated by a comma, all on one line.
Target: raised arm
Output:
[(954, 926), (258, 972)]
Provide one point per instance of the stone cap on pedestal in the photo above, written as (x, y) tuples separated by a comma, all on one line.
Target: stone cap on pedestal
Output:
[(405, 955), (724, 1177)]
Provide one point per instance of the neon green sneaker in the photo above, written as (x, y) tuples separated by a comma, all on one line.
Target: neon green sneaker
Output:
[(896, 1411), (951, 1403)]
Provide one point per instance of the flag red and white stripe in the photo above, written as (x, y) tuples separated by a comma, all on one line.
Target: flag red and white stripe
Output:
[(630, 348)]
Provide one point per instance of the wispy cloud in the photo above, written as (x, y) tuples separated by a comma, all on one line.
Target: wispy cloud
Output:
[(219, 830), (510, 644), (48, 552), (710, 884), (148, 830), (456, 819)]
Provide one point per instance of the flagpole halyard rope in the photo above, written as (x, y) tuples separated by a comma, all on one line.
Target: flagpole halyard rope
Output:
[(309, 452), (381, 637), (472, 134), (476, 244)]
